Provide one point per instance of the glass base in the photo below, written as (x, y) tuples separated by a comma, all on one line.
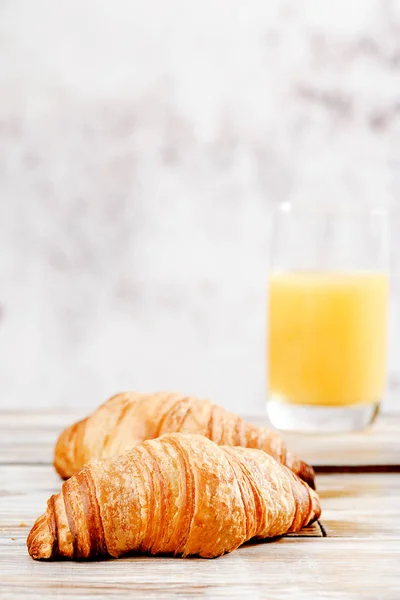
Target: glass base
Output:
[(320, 419)]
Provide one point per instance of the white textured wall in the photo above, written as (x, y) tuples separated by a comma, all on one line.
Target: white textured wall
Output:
[(141, 146)]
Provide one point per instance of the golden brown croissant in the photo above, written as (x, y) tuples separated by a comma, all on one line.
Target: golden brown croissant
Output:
[(178, 494), (130, 418)]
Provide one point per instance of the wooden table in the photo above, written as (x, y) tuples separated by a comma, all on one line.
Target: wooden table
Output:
[(353, 553)]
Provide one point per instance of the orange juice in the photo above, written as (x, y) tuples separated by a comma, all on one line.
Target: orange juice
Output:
[(327, 337)]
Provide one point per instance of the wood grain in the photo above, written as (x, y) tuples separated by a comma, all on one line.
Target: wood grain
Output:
[(290, 568), (358, 558)]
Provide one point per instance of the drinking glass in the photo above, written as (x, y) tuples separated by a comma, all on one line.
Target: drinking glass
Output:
[(327, 317)]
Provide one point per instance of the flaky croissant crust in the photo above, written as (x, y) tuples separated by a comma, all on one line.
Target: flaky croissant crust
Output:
[(178, 494), (129, 418)]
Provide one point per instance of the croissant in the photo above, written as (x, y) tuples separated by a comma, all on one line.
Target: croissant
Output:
[(178, 494), (130, 418)]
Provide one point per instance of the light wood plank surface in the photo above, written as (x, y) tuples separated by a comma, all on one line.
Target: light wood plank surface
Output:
[(359, 556), (289, 569)]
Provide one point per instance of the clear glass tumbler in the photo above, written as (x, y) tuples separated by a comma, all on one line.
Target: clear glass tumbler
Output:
[(327, 318)]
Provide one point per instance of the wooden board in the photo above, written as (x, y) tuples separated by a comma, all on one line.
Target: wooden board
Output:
[(355, 554), (297, 569), (359, 558), (289, 569)]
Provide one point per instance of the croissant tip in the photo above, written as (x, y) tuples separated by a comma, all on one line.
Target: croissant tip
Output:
[(315, 512), (302, 469), (60, 470), (40, 539), (307, 474), (63, 461)]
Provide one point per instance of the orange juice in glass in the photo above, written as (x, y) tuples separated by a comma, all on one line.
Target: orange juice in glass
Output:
[(327, 325)]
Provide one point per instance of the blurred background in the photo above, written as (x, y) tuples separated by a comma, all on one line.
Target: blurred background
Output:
[(142, 146)]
